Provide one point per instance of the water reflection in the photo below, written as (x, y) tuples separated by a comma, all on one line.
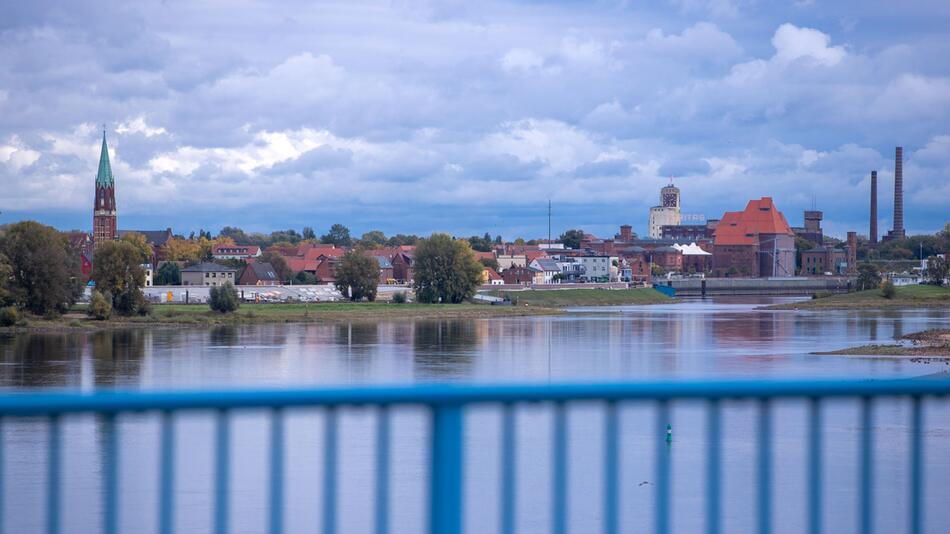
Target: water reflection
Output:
[(443, 349)]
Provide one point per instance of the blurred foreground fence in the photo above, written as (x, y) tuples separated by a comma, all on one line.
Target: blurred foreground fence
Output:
[(446, 405)]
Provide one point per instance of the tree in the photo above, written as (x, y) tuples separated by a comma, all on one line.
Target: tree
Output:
[(888, 290), (44, 273), (357, 275), (141, 245), (372, 239), (100, 306), (178, 249), (169, 274), (6, 281), (572, 238), (445, 270), (868, 276), (117, 271), (305, 278), (490, 263), (284, 272), (238, 235), (308, 234), (338, 236), (399, 240), (937, 270), (224, 298), (481, 244)]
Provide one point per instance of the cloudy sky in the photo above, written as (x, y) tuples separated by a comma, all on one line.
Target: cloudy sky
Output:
[(468, 116)]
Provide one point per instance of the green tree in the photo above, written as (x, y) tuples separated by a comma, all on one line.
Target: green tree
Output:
[(100, 306), (6, 281), (572, 238), (372, 239), (116, 270), (445, 270), (357, 275), (141, 245), (868, 276), (338, 235), (284, 272), (481, 244), (490, 263), (309, 234), (305, 278), (169, 274), (224, 298), (937, 270), (45, 275), (888, 290)]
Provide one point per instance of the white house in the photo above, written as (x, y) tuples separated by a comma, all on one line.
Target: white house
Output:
[(599, 267), (548, 268)]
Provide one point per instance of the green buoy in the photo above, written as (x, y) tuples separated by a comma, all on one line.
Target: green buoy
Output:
[(669, 433)]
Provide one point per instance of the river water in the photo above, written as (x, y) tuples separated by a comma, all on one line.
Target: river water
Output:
[(713, 338)]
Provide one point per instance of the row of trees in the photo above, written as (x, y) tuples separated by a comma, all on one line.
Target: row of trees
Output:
[(445, 270)]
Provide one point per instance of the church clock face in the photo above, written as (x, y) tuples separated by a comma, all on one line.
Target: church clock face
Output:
[(669, 200)]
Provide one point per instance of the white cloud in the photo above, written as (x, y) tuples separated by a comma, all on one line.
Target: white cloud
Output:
[(792, 42), (521, 59), (138, 126), (559, 146), (17, 155)]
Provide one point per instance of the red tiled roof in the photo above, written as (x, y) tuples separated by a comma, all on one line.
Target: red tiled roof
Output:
[(492, 274), (532, 255), (759, 217), (484, 255)]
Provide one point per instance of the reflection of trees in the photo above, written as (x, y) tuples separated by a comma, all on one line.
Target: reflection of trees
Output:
[(40, 360), (444, 347), (117, 356), (224, 335)]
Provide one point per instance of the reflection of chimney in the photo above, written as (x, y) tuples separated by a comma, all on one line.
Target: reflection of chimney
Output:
[(872, 235), (899, 192)]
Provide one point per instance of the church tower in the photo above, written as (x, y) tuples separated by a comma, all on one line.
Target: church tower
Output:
[(103, 211)]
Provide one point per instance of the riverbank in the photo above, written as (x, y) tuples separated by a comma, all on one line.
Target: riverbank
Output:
[(917, 296), (933, 344), (571, 298), (170, 315)]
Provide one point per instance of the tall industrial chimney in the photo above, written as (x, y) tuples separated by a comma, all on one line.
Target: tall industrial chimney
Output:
[(899, 193), (872, 234)]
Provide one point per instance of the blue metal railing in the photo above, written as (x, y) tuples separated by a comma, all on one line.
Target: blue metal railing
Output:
[(447, 405)]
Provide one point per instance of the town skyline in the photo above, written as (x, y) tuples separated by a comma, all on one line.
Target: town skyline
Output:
[(309, 128)]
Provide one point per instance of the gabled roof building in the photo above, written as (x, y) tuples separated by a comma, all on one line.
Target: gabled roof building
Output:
[(756, 242)]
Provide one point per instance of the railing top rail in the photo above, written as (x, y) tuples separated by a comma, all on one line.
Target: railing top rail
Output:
[(49, 402)]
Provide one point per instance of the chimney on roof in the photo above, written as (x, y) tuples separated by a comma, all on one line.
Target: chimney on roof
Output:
[(872, 233), (899, 192)]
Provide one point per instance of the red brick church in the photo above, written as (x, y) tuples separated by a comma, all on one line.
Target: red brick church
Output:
[(103, 212)]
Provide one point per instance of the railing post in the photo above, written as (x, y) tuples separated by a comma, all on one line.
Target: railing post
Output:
[(445, 490)]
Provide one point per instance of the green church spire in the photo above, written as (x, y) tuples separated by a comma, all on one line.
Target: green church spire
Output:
[(104, 177)]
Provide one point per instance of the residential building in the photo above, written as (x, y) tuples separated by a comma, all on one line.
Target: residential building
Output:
[(235, 252), (402, 266), (599, 268), (260, 274), (207, 274), (507, 261), (667, 212), (491, 277), (550, 272), (385, 269), (519, 275), (755, 242)]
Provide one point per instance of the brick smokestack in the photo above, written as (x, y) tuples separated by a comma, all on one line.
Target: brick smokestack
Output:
[(852, 252), (872, 234), (899, 192)]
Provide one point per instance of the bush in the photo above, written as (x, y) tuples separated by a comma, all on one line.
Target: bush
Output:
[(888, 290), (224, 299), (8, 316), (821, 295), (100, 306), (399, 298)]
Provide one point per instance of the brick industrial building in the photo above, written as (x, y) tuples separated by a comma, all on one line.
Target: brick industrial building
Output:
[(754, 242)]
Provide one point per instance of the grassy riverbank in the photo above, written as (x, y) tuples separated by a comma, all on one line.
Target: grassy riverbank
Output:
[(907, 297), (928, 344), (201, 315), (567, 298)]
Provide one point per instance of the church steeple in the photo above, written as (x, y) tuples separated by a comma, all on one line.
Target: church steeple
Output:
[(104, 177), (103, 209)]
